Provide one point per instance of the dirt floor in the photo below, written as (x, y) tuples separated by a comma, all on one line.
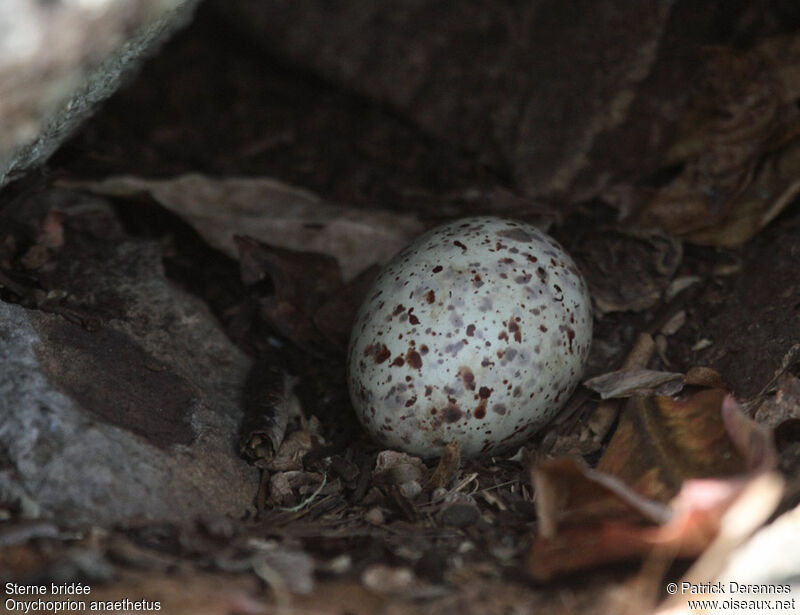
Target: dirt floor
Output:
[(338, 525)]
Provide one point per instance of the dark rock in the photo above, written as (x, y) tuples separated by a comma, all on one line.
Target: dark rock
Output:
[(558, 95)]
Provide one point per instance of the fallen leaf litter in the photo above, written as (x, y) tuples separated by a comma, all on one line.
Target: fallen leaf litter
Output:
[(688, 475)]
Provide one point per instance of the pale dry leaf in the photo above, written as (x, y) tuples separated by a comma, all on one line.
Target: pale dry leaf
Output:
[(641, 353), (679, 284), (272, 212), (674, 324), (752, 507), (626, 383), (755, 562)]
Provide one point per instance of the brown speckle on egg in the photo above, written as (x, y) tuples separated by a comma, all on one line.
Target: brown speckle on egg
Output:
[(414, 359), (452, 414), (467, 377)]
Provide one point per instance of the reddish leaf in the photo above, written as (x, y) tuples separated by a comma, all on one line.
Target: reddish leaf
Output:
[(660, 442), (671, 471)]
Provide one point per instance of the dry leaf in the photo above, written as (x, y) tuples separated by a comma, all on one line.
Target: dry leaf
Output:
[(630, 382), (737, 148), (570, 493), (268, 400), (720, 562), (670, 473), (274, 213), (697, 513), (660, 442), (748, 511), (685, 533)]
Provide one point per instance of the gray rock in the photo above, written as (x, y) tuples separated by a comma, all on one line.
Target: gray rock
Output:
[(136, 419), (60, 59)]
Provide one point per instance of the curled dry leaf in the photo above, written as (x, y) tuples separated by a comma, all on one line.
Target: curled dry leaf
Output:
[(671, 471), (274, 213), (267, 404), (630, 382), (628, 270), (690, 528)]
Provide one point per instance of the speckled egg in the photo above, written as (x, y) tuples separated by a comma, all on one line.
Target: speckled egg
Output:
[(478, 332)]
